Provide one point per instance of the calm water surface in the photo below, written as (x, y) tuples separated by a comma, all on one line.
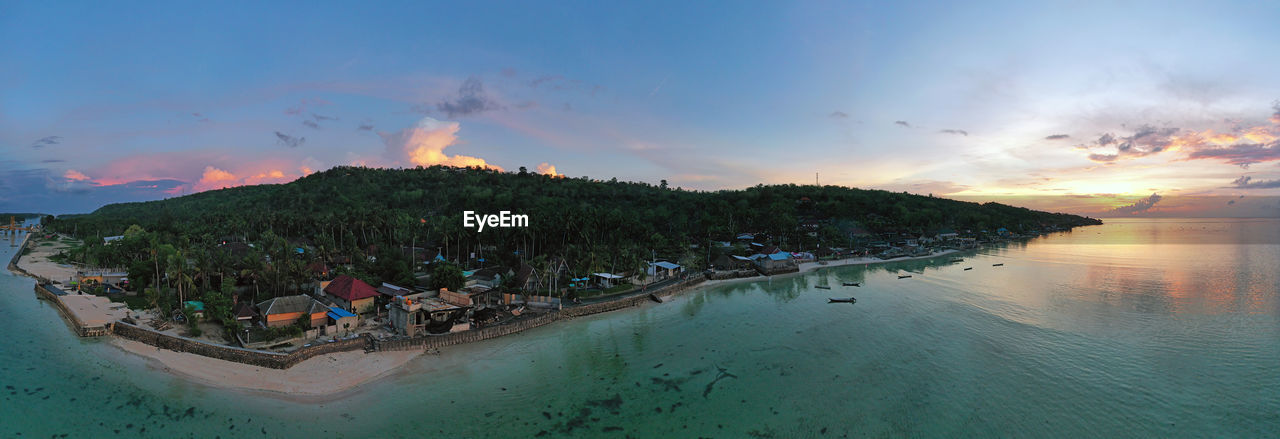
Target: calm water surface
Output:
[(1137, 328)]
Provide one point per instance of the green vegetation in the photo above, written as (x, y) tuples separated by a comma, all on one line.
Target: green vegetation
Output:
[(364, 222)]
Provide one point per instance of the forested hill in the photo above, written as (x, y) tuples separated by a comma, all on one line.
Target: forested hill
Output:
[(351, 208)]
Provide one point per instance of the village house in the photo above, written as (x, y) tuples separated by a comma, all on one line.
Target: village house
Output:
[(418, 314), (606, 280), (351, 294), (244, 313), (342, 319), (663, 270), (287, 310), (772, 262), (731, 262)]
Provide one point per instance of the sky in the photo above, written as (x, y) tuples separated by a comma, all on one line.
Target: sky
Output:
[(1104, 109)]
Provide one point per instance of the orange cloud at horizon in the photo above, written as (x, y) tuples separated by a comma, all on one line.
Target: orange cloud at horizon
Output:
[(549, 169), (423, 145)]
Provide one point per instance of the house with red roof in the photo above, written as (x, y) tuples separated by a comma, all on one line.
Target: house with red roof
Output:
[(351, 294)]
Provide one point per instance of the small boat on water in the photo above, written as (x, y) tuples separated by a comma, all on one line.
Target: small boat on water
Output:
[(998, 265), (655, 298), (852, 284), (957, 260), (903, 276), (968, 268), (822, 286), (841, 300)]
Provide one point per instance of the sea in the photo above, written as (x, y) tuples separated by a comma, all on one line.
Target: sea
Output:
[(1135, 328)]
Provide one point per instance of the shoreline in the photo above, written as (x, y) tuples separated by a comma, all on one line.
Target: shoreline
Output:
[(319, 379)]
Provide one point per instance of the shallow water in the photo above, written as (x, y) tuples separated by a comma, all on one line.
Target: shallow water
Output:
[(1135, 328)]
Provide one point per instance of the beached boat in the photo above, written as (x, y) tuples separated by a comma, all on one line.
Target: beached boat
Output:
[(852, 284), (997, 265), (957, 260), (841, 300), (968, 268), (903, 276), (822, 286)]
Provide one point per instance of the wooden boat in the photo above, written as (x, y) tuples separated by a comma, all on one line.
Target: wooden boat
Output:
[(845, 300), (852, 284), (822, 286), (998, 265), (957, 260), (903, 276), (968, 268), (655, 298)]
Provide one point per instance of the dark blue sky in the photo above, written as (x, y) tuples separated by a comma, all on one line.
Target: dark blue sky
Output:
[(103, 102)]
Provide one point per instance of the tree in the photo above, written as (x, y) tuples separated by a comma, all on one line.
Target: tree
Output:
[(447, 275)]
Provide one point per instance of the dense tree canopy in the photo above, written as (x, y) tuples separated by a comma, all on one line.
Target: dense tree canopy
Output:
[(380, 218)]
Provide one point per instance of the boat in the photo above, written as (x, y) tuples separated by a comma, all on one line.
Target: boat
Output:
[(843, 300), (822, 286), (655, 298), (852, 284), (903, 276), (998, 265), (957, 260), (968, 268)]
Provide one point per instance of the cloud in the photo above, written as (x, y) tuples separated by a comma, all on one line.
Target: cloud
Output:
[(290, 141), (311, 123), (365, 127), (527, 105), (73, 174), (1246, 182), (1056, 137), (1241, 155), (902, 123), (1140, 206), (548, 169), (471, 100), (321, 118), (535, 82), (1147, 140), (959, 132), (304, 105), (46, 141), (839, 115), (1275, 117), (423, 144), (1240, 144), (52, 161)]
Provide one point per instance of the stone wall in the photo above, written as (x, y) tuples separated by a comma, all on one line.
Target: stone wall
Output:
[(69, 317), (239, 355), (438, 341)]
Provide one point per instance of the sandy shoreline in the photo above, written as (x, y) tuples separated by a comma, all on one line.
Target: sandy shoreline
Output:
[(321, 378), (37, 261)]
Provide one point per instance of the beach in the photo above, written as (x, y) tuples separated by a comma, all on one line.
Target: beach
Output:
[(37, 262), (322, 378)]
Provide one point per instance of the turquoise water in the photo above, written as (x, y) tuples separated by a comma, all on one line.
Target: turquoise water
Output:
[(1137, 328)]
